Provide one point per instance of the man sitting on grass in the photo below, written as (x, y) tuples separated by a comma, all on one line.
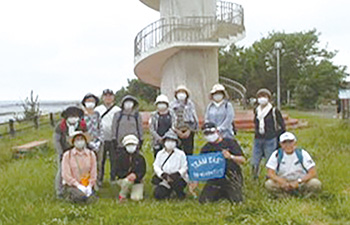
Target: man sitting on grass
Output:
[(290, 169)]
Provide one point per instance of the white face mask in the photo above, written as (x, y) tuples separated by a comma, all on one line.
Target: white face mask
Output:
[(79, 144), (170, 145), (131, 148), (218, 97), (128, 105), (72, 120), (181, 96), (212, 137), (90, 105), (162, 106), (263, 100)]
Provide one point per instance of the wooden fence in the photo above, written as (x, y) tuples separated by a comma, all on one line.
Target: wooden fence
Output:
[(17, 126)]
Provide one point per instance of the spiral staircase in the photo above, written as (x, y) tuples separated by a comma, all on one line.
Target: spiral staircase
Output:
[(160, 40)]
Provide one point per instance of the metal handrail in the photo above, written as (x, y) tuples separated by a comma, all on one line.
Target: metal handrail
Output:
[(188, 29)]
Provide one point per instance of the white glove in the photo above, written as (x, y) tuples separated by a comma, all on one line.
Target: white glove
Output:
[(82, 188), (88, 191)]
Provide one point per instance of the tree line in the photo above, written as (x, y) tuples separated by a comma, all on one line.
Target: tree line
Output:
[(307, 70)]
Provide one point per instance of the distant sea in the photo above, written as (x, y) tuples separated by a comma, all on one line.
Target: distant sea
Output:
[(14, 109)]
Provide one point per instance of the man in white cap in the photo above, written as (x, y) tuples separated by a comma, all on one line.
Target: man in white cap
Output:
[(291, 169)]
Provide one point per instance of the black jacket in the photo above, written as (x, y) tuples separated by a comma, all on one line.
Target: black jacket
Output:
[(130, 163), (270, 128)]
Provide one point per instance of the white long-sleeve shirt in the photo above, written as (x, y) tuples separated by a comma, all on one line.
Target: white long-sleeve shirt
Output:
[(107, 120), (176, 163)]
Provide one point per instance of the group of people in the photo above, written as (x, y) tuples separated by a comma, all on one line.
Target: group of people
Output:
[(87, 135)]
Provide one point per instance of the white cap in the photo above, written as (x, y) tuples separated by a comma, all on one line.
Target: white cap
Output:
[(130, 139), (162, 98), (287, 136)]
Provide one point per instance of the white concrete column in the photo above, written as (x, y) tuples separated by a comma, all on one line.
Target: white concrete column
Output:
[(197, 69)]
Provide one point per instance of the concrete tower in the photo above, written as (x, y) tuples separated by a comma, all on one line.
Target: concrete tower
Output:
[(182, 47)]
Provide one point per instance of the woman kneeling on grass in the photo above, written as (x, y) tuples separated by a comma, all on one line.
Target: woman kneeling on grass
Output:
[(170, 167), (130, 169), (79, 170)]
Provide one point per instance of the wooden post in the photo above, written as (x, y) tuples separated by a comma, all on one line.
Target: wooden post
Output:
[(12, 127), (36, 122), (52, 120)]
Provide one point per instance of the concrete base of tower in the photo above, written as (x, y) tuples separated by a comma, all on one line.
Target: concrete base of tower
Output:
[(197, 69)]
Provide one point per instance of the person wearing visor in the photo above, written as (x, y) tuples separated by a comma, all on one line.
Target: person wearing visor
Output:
[(130, 169), (72, 121), (220, 111), (186, 120), (291, 169), (230, 186), (170, 167), (269, 124), (160, 122), (127, 121), (79, 171), (95, 129), (107, 111)]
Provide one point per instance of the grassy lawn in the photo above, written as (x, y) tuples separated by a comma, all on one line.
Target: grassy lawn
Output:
[(27, 188)]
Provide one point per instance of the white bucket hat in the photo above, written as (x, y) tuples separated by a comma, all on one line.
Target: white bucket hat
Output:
[(218, 88), (162, 98), (287, 136), (183, 88), (130, 139)]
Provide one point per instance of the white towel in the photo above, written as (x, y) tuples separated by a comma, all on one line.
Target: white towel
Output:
[(261, 114)]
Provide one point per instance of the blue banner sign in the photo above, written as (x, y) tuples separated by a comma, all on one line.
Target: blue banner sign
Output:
[(206, 166)]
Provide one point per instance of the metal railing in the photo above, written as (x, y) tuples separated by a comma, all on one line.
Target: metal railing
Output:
[(188, 29)]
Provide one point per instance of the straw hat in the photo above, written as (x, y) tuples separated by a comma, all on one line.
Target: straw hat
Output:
[(79, 133)]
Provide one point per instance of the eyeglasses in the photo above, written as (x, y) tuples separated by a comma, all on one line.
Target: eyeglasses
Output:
[(209, 130), (287, 141)]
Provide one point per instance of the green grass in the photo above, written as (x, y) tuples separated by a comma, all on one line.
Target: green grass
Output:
[(27, 188)]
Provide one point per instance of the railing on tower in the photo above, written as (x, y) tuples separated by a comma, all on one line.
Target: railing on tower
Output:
[(188, 29)]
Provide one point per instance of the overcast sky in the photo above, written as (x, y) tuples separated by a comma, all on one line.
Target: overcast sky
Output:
[(64, 49)]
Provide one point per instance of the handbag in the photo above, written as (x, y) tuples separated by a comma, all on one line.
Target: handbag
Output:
[(155, 179)]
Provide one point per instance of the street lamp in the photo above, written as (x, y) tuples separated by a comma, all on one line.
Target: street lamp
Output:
[(278, 47)]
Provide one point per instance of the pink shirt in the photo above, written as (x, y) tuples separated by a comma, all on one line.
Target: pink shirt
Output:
[(72, 173)]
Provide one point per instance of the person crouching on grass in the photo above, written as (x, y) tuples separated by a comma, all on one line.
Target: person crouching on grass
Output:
[(79, 171), (170, 167), (230, 186), (130, 169), (291, 170)]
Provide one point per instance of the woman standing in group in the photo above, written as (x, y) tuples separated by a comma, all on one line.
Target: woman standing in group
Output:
[(186, 122), (94, 127), (72, 120), (220, 111), (160, 122), (269, 124)]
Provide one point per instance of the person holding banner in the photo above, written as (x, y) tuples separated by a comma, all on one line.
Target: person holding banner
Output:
[(230, 186), (170, 167)]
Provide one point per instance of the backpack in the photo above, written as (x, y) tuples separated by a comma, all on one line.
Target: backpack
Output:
[(233, 122), (279, 156), (136, 117)]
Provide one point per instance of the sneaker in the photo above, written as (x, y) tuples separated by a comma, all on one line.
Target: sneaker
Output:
[(122, 199)]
